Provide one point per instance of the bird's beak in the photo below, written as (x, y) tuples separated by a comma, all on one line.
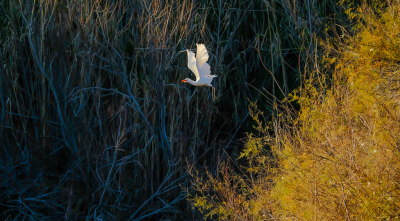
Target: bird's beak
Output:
[(183, 80)]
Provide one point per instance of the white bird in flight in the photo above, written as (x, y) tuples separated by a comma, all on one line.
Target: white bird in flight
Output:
[(200, 68)]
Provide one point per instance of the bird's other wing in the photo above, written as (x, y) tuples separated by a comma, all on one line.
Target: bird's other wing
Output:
[(202, 58), (204, 70), (201, 54), (192, 64)]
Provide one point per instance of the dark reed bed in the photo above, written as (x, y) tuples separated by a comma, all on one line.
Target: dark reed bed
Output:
[(94, 123)]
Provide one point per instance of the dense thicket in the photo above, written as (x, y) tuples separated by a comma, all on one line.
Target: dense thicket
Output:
[(338, 157), (93, 121)]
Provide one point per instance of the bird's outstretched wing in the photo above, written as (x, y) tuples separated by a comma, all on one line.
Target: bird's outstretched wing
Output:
[(192, 64), (201, 60), (201, 54)]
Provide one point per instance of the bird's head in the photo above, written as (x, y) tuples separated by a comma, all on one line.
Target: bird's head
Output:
[(185, 80)]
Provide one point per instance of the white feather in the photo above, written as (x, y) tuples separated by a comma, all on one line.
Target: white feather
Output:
[(192, 64), (200, 67), (201, 61)]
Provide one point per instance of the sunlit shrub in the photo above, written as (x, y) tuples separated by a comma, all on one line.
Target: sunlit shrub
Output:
[(338, 158)]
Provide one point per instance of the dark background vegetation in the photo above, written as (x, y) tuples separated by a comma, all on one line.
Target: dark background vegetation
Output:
[(94, 122)]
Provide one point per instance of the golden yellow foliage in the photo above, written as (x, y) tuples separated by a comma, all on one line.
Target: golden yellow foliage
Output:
[(339, 159), (342, 160)]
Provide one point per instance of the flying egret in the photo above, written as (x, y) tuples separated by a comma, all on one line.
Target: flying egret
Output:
[(200, 68)]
